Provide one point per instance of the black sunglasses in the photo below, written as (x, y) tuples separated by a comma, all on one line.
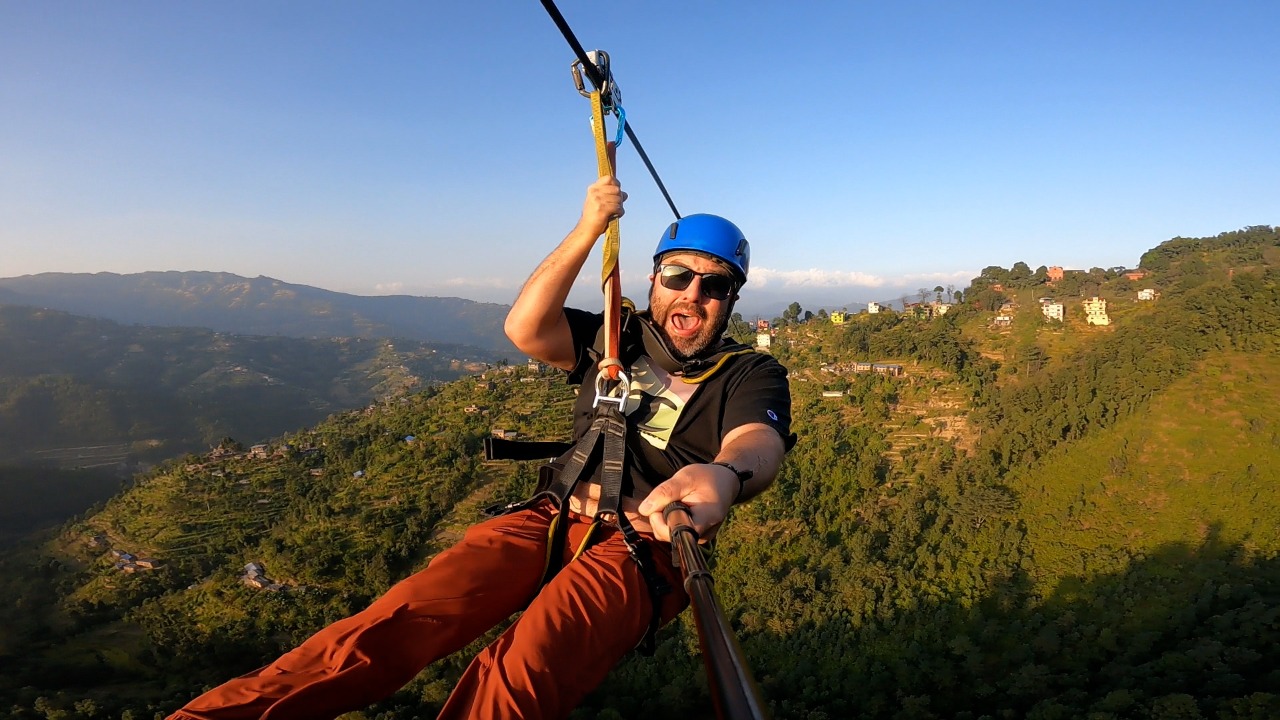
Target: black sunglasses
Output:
[(715, 286)]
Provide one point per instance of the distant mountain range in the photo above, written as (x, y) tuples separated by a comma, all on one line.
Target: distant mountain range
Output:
[(260, 306)]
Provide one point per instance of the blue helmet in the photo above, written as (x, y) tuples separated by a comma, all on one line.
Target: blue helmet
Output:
[(709, 235)]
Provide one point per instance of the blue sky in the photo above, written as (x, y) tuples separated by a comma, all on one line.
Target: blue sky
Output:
[(433, 148)]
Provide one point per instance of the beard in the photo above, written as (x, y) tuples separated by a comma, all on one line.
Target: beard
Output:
[(709, 332)]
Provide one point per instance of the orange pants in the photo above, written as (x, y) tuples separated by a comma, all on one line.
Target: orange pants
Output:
[(588, 617)]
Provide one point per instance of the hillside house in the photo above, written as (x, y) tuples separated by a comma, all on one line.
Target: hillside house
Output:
[(762, 326), (862, 367), (1054, 274), (258, 451), (1053, 310), (1003, 321), (1135, 274), (763, 340), (1147, 294), (502, 434), (147, 563), (839, 317), (887, 369), (832, 393), (875, 308), (254, 569), (1095, 311)]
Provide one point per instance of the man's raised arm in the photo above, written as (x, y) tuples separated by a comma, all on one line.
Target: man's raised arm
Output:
[(536, 323)]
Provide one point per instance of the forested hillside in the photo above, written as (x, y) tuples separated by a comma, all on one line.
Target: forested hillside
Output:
[(82, 399), (1034, 519)]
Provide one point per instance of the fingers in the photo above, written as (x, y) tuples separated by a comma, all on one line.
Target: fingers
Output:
[(696, 486), (604, 202), (653, 505)]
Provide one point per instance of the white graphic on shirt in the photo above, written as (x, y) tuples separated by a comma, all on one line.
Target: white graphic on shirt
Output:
[(666, 398)]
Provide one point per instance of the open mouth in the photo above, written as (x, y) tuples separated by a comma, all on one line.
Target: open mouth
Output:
[(685, 321)]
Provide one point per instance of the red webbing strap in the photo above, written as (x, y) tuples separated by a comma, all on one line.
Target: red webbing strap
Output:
[(610, 276)]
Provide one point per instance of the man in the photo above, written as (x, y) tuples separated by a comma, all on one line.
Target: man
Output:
[(708, 425)]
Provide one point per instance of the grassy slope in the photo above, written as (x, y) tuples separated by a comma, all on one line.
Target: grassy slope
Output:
[(1204, 459)]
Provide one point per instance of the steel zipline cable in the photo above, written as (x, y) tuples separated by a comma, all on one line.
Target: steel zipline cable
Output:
[(593, 74)]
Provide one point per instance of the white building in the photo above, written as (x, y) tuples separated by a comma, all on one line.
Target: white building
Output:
[(874, 308), (1053, 310), (1147, 294), (1095, 311)]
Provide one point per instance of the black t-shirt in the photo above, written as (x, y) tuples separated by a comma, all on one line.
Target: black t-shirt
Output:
[(666, 432)]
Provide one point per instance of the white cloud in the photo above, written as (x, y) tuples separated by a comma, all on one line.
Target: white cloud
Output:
[(819, 278), (814, 277), (466, 282)]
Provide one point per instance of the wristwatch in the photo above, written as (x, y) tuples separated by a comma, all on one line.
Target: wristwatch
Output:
[(743, 477)]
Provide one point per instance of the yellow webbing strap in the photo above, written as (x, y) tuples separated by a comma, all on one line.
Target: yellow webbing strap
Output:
[(610, 276), (551, 535), (551, 564), (586, 540), (715, 368)]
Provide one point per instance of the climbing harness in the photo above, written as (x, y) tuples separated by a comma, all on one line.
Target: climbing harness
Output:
[(605, 445)]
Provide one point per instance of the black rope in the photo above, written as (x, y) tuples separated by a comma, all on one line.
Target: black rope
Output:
[(593, 74)]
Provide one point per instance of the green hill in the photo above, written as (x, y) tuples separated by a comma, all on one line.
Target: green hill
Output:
[(84, 401), (1032, 520)]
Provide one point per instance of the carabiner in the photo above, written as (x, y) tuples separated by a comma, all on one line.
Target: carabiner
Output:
[(610, 95), (619, 394)]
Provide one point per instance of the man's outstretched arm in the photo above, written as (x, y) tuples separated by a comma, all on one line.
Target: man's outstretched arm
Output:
[(710, 490), (536, 323)]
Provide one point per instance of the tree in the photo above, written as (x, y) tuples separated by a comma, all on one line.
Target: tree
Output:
[(937, 293), (792, 313), (739, 329), (1020, 272), (992, 274)]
